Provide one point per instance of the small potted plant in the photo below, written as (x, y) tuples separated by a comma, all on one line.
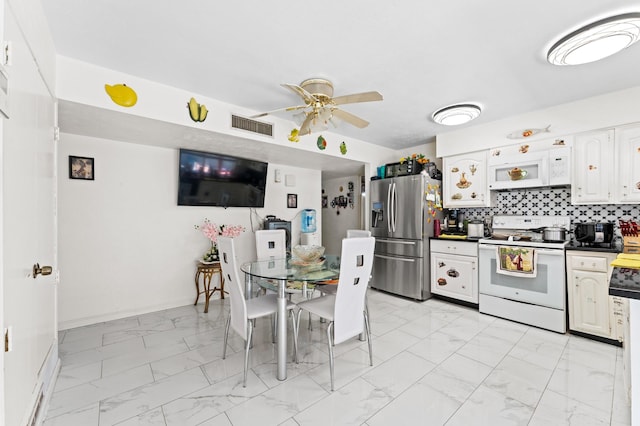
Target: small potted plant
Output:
[(212, 232)]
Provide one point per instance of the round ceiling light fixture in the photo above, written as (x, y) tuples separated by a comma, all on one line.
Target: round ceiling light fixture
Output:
[(454, 115), (596, 40)]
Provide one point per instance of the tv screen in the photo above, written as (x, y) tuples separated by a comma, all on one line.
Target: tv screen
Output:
[(208, 179)]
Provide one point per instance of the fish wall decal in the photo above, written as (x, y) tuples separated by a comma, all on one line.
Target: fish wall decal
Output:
[(525, 133)]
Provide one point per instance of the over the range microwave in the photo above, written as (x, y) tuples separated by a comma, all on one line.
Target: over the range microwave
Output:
[(531, 170)]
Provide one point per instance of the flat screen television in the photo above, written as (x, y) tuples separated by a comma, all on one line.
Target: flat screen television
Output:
[(209, 179)]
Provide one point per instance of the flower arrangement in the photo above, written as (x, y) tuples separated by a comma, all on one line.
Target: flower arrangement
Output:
[(420, 158), (212, 232)]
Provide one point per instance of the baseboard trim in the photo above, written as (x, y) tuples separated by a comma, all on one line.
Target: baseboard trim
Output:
[(90, 320)]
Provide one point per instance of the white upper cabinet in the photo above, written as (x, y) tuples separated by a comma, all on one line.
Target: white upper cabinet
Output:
[(465, 180), (593, 168), (606, 166), (628, 177)]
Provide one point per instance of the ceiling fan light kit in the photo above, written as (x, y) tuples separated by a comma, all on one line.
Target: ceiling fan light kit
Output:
[(596, 40), (455, 115)]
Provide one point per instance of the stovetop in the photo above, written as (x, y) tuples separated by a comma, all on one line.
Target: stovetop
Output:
[(525, 243), (520, 230)]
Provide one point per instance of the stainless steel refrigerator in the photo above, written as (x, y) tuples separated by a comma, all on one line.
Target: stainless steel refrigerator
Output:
[(403, 210)]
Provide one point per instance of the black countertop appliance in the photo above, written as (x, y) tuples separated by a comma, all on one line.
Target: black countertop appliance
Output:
[(594, 233)]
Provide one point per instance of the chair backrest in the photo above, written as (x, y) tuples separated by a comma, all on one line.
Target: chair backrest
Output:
[(271, 244), (227, 252), (358, 233), (356, 261)]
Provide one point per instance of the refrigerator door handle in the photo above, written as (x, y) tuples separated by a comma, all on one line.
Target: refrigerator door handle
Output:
[(389, 213), (402, 259), (383, 240), (395, 206)]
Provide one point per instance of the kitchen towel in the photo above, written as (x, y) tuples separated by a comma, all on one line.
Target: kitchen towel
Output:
[(517, 261), (625, 260)]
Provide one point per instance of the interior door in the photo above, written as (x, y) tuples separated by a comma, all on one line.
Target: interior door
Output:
[(28, 231)]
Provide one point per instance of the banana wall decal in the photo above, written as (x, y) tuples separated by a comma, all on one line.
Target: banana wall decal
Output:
[(122, 94), (197, 112)]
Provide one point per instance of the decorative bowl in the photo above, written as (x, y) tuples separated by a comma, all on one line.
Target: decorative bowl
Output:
[(308, 253)]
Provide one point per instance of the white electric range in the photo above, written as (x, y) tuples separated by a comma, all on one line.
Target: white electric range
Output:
[(521, 276)]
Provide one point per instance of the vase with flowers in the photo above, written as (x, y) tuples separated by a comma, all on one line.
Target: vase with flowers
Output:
[(212, 231)]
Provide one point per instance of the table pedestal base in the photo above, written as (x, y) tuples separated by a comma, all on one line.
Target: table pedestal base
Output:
[(207, 271)]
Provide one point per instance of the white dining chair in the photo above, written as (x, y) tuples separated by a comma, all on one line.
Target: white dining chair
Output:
[(358, 233), (345, 311), (271, 244), (351, 233), (244, 312)]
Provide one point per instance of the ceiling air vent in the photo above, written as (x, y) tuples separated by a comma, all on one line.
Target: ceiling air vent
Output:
[(249, 125)]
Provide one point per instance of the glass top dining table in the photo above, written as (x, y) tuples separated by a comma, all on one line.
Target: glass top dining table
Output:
[(281, 272)]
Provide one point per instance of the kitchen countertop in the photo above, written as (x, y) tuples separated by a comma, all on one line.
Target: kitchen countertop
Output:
[(625, 282), (469, 239), (574, 245)]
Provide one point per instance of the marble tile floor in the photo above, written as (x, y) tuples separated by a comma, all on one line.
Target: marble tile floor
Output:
[(435, 363)]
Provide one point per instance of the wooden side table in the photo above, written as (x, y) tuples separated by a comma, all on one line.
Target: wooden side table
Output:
[(207, 270)]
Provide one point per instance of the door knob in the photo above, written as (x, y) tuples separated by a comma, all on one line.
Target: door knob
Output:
[(45, 270)]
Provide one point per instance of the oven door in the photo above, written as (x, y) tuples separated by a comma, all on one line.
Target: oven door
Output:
[(546, 289)]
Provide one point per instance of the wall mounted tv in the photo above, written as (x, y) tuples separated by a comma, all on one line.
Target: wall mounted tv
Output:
[(208, 179)]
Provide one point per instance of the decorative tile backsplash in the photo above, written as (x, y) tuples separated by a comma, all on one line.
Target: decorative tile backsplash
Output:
[(553, 202)]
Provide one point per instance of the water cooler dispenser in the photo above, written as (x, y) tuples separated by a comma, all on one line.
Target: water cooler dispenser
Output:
[(309, 235)]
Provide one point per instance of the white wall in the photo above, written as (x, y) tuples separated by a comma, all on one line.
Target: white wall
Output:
[(125, 245), (83, 83), (335, 225), (598, 112)]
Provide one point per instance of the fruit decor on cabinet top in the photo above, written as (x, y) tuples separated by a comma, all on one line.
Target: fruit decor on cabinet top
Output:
[(197, 112), (294, 136), (121, 94), (343, 148), (419, 158), (321, 143)]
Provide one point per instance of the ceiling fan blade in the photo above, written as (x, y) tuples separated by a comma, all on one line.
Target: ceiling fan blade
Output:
[(357, 97), (287, 109), (350, 118), (305, 129), (306, 96)]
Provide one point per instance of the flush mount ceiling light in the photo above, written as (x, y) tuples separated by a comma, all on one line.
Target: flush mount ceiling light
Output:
[(596, 40), (454, 115)]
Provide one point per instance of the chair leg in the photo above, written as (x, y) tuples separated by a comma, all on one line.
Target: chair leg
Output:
[(296, 331), (246, 354), (295, 336), (330, 342), (253, 324), (366, 326), (226, 337)]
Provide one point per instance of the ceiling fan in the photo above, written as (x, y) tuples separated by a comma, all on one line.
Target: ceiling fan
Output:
[(320, 107)]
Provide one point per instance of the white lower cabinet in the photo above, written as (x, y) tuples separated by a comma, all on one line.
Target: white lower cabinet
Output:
[(454, 269), (591, 309)]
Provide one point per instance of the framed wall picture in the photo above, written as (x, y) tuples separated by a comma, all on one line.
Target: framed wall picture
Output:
[(81, 168), (292, 201)]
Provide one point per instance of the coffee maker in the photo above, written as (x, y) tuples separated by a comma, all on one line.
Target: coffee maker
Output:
[(455, 221)]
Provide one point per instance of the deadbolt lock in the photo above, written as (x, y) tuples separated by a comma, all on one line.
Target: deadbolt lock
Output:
[(45, 270)]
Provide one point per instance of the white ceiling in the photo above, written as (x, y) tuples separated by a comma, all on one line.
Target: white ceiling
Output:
[(421, 55)]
